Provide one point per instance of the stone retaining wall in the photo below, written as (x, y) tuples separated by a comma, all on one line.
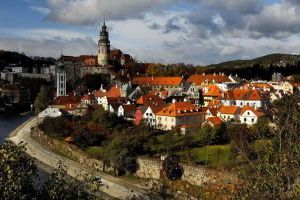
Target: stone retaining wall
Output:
[(149, 168)]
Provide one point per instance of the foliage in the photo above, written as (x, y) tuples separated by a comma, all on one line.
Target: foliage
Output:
[(52, 188), (172, 168), (54, 127), (212, 155), (17, 173), (34, 86), (274, 174), (94, 81), (201, 98), (19, 179), (42, 100)]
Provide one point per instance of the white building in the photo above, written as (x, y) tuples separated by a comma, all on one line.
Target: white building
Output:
[(61, 80), (250, 115), (50, 112)]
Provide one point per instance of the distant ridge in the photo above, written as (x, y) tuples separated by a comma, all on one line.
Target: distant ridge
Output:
[(264, 60)]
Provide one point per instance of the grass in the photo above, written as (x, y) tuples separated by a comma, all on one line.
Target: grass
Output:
[(214, 155), (95, 151)]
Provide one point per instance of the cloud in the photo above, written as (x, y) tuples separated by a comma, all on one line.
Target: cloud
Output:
[(173, 24), (40, 9), (279, 20), (52, 47), (87, 12)]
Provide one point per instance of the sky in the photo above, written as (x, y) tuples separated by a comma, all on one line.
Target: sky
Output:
[(198, 32)]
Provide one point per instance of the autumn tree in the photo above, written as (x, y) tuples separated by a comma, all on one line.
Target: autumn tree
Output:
[(274, 174)]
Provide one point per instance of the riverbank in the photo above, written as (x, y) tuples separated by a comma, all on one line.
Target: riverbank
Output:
[(9, 124)]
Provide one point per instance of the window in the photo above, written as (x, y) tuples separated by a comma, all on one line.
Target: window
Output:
[(245, 119), (252, 119), (241, 103), (248, 113)]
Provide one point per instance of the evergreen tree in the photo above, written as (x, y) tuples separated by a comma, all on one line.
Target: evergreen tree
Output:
[(201, 98), (42, 100)]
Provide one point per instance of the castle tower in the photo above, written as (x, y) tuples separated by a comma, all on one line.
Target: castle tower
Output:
[(104, 46), (61, 76)]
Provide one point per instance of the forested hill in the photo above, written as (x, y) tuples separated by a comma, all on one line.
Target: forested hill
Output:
[(7, 57), (264, 60), (20, 59)]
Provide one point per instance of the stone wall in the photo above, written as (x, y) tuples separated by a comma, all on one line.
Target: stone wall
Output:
[(149, 168)]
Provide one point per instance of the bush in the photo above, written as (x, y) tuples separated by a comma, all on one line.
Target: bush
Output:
[(54, 127)]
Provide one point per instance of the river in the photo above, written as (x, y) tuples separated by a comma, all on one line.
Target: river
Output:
[(8, 124)]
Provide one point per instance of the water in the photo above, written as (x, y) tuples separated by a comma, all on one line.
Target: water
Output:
[(8, 124)]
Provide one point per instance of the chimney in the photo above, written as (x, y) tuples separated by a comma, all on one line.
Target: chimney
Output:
[(203, 74)]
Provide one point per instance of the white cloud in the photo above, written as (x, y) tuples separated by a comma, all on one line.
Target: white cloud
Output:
[(91, 11), (40, 9)]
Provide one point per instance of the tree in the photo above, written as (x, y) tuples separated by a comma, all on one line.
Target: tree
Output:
[(173, 170), (53, 188), (274, 174), (42, 100), (201, 98), (19, 179), (17, 173)]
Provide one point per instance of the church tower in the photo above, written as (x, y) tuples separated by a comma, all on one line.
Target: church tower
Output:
[(61, 79), (104, 47)]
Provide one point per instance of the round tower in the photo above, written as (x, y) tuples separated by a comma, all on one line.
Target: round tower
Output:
[(104, 46)]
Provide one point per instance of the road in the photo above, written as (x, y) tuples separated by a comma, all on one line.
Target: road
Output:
[(113, 186)]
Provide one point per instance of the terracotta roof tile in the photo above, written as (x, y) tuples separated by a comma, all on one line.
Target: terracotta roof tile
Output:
[(243, 94), (209, 78), (213, 91), (229, 110), (157, 80), (216, 121), (180, 109), (256, 112), (149, 99)]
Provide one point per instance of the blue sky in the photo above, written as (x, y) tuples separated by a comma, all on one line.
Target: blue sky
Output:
[(168, 31)]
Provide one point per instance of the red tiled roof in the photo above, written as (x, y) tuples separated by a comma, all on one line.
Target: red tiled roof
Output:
[(64, 100), (157, 80), (180, 109), (256, 112), (149, 99), (90, 61), (209, 78), (213, 111), (213, 91), (88, 97), (229, 110), (114, 91), (214, 103), (216, 121), (243, 94)]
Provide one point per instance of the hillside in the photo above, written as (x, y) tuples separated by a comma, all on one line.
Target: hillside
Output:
[(8, 57), (264, 60)]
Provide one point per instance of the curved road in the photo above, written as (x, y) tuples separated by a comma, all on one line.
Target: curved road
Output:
[(113, 186)]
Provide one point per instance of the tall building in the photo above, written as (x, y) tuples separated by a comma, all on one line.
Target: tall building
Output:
[(61, 76), (104, 46)]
